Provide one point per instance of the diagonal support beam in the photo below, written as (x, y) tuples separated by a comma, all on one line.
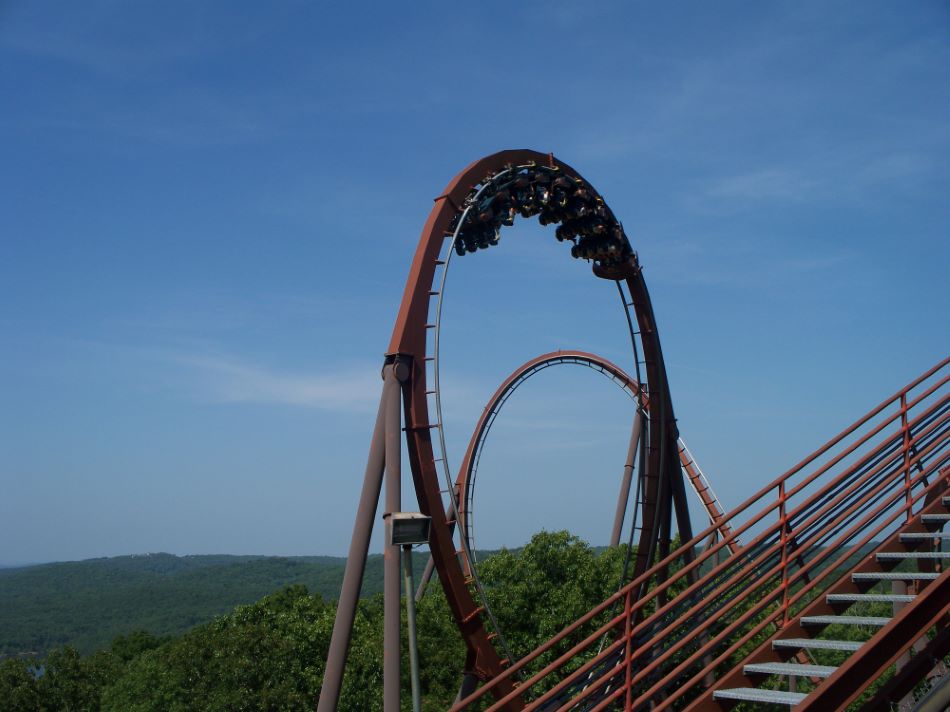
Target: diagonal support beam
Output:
[(359, 547)]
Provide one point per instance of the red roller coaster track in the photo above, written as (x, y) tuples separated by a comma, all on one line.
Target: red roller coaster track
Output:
[(465, 481), (468, 215), (865, 510), (464, 490)]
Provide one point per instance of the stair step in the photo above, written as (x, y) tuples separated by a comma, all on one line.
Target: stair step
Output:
[(935, 517), (894, 576), (844, 620), (789, 669), (945, 501), (926, 536), (869, 597), (891, 555), (817, 644), (754, 694)]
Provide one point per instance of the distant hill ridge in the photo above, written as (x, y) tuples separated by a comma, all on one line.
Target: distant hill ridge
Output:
[(87, 603)]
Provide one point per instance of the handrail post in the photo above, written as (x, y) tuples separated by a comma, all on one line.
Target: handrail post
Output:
[(628, 651), (783, 524), (905, 429)]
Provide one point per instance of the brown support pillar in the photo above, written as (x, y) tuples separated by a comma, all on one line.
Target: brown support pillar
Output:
[(624, 495), (356, 558)]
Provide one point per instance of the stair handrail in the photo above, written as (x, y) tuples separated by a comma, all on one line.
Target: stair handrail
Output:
[(698, 630), (906, 405)]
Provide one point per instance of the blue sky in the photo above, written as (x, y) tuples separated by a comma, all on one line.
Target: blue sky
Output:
[(209, 210)]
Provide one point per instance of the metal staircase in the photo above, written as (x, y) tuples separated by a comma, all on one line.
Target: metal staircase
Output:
[(768, 669), (840, 579)]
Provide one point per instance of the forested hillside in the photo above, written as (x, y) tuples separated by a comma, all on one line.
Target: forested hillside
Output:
[(85, 604), (271, 655)]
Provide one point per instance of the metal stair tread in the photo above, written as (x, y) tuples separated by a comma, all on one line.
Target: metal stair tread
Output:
[(871, 597), (817, 644), (917, 536), (789, 669), (913, 555), (894, 576), (754, 694), (845, 620), (935, 517)]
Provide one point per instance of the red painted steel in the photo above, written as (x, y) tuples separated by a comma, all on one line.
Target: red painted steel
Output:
[(845, 584), (660, 639), (920, 665), (409, 340), (850, 679), (849, 508), (408, 349), (742, 579), (739, 580), (464, 483), (409, 344)]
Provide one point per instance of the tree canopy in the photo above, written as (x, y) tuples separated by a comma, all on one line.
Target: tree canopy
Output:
[(270, 655)]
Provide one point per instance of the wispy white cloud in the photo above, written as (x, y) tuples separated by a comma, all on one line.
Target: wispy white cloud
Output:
[(710, 260), (232, 380), (769, 184), (848, 175)]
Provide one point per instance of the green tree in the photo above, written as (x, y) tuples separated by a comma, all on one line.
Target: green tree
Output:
[(18, 689), (128, 647), (265, 656), (72, 683)]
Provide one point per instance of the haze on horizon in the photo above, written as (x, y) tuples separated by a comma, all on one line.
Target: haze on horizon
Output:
[(210, 210)]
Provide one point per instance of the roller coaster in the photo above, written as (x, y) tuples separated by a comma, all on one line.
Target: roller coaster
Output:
[(770, 604)]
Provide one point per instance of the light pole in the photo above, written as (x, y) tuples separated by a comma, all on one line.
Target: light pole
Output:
[(409, 529)]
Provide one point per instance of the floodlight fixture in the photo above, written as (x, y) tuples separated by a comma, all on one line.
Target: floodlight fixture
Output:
[(409, 528)]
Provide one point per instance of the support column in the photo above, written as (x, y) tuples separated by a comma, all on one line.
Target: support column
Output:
[(391, 553), (411, 624), (356, 557), (624, 495), (680, 505)]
